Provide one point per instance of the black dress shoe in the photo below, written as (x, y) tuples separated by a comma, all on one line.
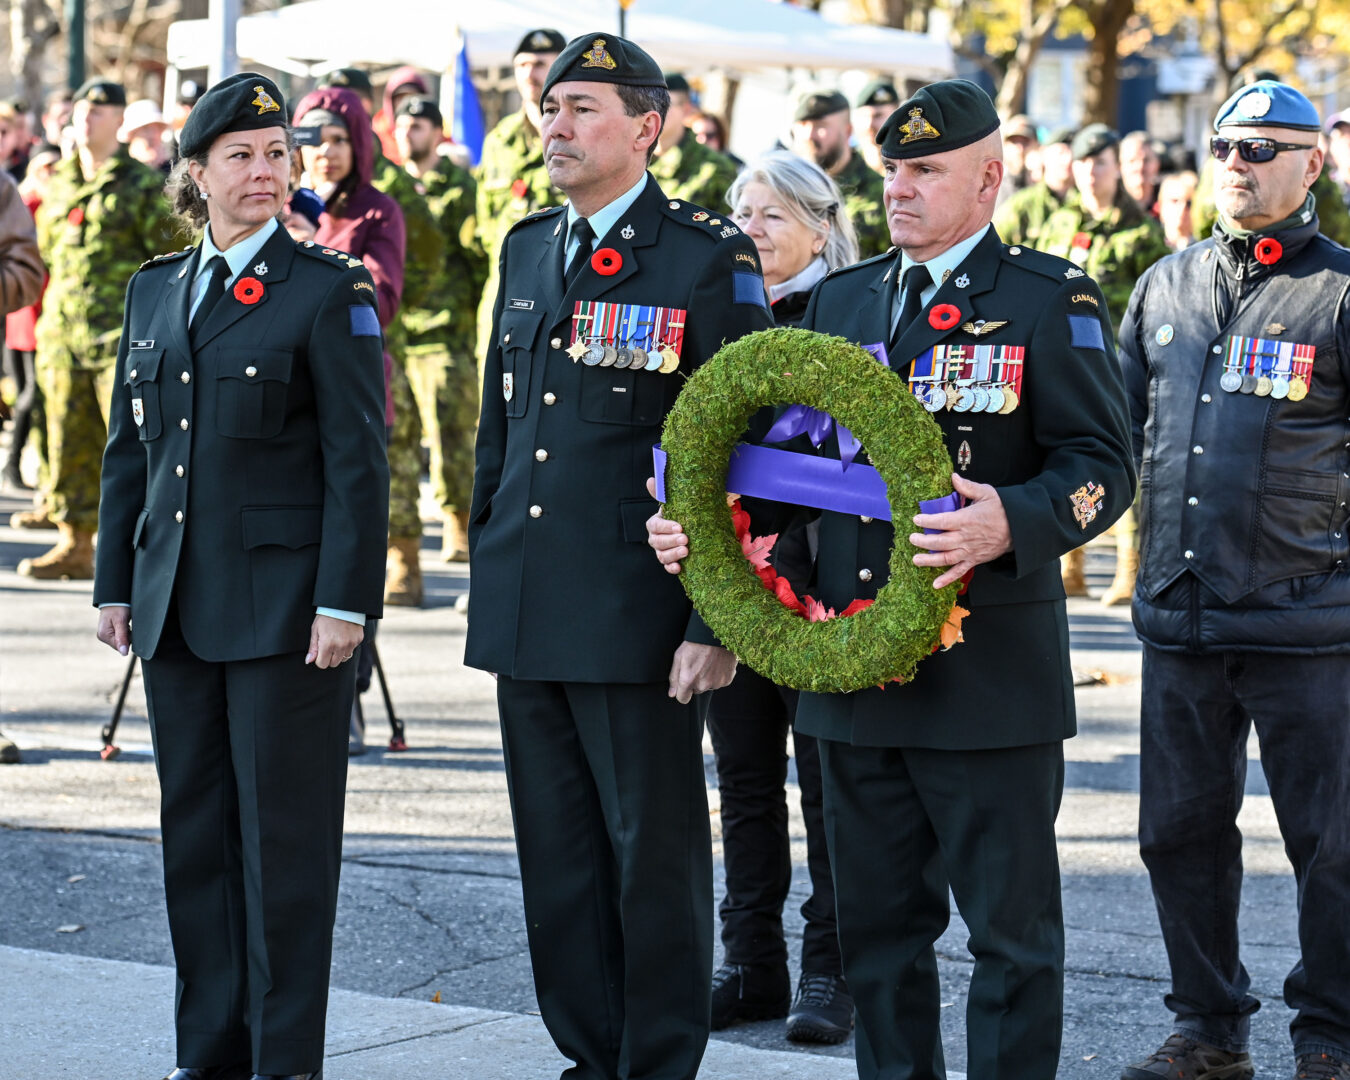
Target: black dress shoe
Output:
[(211, 1072), (294, 1076), (749, 992), (823, 1011)]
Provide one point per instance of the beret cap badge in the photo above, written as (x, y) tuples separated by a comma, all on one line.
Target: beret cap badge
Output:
[(598, 56), (98, 95), (264, 101), (917, 127), (1254, 105), (540, 40)]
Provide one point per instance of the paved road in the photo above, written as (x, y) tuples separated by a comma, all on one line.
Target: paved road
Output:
[(430, 904)]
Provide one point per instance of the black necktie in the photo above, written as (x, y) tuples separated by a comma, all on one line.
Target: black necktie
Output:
[(584, 235), (917, 279), (215, 289)]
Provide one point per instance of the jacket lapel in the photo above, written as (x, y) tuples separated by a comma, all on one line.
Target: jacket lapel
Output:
[(276, 255), (643, 221), (874, 314), (980, 267), (550, 270), (178, 299)]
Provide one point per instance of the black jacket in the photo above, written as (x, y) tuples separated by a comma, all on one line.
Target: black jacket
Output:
[(563, 584), (1243, 497), (247, 477)]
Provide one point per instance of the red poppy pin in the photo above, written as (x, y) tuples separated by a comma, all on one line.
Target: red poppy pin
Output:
[(248, 290), (518, 188), (1268, 251), (944, 316), (606, 261), (76, 216)]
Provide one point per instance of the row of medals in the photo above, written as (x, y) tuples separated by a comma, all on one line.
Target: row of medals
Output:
[(1295, 389), (985, 399), (663, 359)]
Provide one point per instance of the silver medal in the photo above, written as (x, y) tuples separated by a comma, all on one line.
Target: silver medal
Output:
[(1279, 387), (1231, 382), (966, 401), (981, 400), (1248, 384), (639, 360), (593, 355), (996, 399), (935, 400)]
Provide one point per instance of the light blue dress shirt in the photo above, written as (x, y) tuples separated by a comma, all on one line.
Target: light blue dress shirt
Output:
[(603, 219), (947, 262)]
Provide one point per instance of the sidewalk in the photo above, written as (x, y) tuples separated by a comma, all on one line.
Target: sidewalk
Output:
[(80, 1017)]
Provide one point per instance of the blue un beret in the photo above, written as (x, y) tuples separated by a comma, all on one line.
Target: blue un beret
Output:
[(1268, 104)]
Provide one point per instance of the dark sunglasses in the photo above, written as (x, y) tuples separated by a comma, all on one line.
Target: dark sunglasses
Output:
[(1253, 150)]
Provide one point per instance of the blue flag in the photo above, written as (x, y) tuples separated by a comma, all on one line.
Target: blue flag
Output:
[(467, 125)]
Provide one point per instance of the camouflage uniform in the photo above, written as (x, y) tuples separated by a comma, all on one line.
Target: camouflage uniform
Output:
[(1021, 219), (422, 265), (93, 235), (512, 182), (1114, 250), (693, 172), (441, 365), (1333, 219), (862, 188)]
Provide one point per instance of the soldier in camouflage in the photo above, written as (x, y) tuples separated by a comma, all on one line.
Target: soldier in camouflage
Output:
[(512, 180), (1022, 217), (423, 263), (820, 133), (104, 214), (1105, 233), (440, 357), (683, 166), (871, 109)]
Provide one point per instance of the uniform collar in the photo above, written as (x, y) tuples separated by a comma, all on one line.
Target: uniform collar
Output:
[(940, 265), (608, 216), (240, 255)]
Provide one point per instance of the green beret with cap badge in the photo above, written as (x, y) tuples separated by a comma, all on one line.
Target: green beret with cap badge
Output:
[(817, 103), (243, 102), (939, 117), (541, 41), (102, 92), (877, 92), (351, 79), (423, 107), (606, 58), (1092, 140)]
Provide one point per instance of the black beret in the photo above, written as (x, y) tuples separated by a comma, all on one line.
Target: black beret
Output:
[(243, 102), (604, 58), (817, 103), (1092, 140), (939, 117), (1060, 135), (677, 83), (878, 92), (423, 107), (101, 92), (541, 41), (352, 79)]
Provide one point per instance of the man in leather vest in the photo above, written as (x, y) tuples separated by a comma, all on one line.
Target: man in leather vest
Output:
[(1235, 355)]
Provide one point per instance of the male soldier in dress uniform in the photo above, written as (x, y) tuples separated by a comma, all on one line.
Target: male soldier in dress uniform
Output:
[(512, 180), (871, 109), (422, 265), (820, 133), (603, 309), (683, 166), (1020, 219), (440, 355), (954, 778), (1101, 229), (103, 215), (1235, 359)]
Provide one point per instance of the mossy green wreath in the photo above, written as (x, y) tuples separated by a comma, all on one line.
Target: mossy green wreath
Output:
[(773, 367)]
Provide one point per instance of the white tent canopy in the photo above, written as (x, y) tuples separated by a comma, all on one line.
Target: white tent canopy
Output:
[(742, 36)]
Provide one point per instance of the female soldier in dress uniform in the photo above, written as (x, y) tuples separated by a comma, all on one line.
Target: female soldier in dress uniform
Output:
[(245, 500)]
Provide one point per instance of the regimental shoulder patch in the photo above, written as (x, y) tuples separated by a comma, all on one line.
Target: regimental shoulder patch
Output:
[(1085, 332), (364, 321), (1085, 298), (747, 288), (1086, 503), (749, 260)]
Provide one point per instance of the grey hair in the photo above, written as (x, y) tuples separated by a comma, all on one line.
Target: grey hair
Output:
[(810, 195)]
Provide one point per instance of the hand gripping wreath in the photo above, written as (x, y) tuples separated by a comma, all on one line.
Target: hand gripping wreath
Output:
[(882, 642)]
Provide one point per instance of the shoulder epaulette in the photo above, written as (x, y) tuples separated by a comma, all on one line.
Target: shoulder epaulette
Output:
[(338, 259), (535, 215), (687, 213), (1051, 266), (883, 257), (168, 256)]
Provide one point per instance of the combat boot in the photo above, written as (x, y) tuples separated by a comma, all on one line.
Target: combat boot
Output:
[(37, 518), (1122, 586), (72, 558), (1180, 1058), (403, 575), (1071, 570), (455, 546)]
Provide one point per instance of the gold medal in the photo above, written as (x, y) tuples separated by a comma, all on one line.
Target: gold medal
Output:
[(1010, 400), (1263, 386), (1298, 389), (670, 360)]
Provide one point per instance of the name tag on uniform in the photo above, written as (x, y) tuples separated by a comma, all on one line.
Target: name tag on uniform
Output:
[(138, 411), (521, 305), (143, 344)]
